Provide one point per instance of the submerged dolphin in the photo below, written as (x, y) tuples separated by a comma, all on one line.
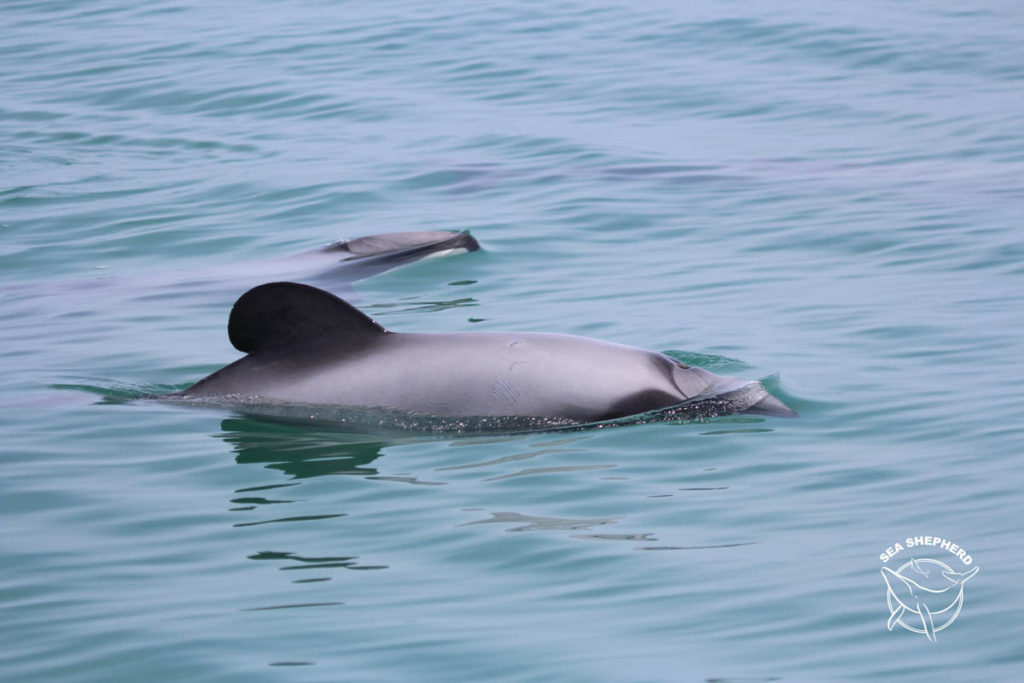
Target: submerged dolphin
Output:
[(307, 347), (356, 259), (335, 266), (912, 597)]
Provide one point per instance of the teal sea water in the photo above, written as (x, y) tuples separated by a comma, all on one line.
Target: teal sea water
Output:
[(828, 197)]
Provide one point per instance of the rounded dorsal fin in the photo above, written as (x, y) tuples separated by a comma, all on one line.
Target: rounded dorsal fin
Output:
[(279, 315)]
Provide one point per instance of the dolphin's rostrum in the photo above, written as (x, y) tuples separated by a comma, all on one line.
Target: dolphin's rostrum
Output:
[(307, 347)]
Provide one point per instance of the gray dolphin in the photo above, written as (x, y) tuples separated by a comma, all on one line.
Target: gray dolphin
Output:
[(307, 347), (912, 597), (356, 259)]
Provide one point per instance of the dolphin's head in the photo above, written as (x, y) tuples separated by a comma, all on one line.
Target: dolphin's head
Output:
[(905, 590), (770, 406), (742, 395)]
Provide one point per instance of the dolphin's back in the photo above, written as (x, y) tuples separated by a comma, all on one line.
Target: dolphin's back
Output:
[(507, 374), (457, 375), (306, 346)]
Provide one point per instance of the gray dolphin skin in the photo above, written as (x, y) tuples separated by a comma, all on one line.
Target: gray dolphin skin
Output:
[(356, 259), (307, 347)]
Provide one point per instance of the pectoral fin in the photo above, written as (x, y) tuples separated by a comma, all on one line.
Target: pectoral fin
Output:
[(896, 615), (926, 619)]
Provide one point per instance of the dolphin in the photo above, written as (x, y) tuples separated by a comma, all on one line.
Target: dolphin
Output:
[(356, 259), (335, 266), (365, 256), (913, 597), (307, 347)]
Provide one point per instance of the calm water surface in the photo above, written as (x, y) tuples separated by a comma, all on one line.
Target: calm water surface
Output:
[(826, 197)]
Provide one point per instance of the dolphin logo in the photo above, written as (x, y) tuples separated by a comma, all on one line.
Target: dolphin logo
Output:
[(943, 595)]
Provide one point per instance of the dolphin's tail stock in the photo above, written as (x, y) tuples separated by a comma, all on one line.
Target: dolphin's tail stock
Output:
[(365, 256)]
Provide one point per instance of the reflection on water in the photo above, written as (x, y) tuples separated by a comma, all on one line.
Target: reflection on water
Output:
[(532, 523), (301, 518), (300, 452), (293, 541), (530, 471), (327, 562), (715, 546), (302, 604), (547, 447), (425, 306), (522, 522)]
